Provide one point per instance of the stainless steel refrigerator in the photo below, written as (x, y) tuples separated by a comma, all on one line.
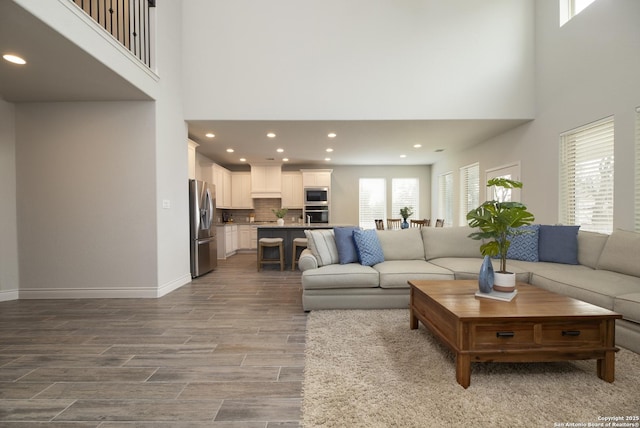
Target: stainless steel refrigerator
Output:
[(202, 211)]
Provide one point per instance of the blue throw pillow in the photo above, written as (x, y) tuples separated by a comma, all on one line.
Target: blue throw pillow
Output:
[(368, 247), (347, 252), (558, 244), (524, 246)]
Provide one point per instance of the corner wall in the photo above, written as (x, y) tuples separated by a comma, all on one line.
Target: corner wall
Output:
[(585, 71), (86, 199), (8, 220)]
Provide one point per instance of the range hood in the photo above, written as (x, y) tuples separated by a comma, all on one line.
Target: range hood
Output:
[(266, 181)]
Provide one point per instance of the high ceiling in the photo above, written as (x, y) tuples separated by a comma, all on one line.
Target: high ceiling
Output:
[(58, 70)]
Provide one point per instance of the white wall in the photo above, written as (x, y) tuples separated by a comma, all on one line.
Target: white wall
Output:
[(8, 223), (86, 188), (345, 184), (360, 59), (585, 71), (171, 155)]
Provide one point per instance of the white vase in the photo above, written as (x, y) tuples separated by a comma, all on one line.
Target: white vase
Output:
[(504, 281), (280, 222)]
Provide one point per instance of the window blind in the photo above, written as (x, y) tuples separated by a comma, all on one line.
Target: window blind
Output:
[(445, 198), (586, 176), (405, 193), (372, 201), (637, 177), (469, 190)]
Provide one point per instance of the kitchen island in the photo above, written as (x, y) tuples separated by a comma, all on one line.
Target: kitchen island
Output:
[(287, 232)]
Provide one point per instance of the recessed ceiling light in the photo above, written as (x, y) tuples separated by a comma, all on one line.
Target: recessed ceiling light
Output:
[(327, 159), (14, 59), (331, 135), (271, 135), (329, 150), (417, 146), (403, 156), (209, 135), (279, 150), (285, 159), (243, 160), (229, 150)]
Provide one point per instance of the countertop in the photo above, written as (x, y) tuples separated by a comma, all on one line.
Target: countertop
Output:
[(301, 226)]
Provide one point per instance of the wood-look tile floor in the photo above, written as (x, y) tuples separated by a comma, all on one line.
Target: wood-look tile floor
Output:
[(226, 351)]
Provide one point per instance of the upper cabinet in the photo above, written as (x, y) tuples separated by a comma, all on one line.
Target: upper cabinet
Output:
[(266, 181), (241, 190), (191, 156), (221, 177), (292, 194), (316, 177)]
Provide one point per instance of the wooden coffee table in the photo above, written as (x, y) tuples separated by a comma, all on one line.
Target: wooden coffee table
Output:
[(537, 325)]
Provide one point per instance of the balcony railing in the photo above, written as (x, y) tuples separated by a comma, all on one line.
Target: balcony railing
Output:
[(127, 20)]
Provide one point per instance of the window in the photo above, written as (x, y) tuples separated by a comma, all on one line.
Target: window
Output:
[(445, 198), (405, 193), (372, 201), (637, 226), (469, 190), (570, 8), (586, 176)]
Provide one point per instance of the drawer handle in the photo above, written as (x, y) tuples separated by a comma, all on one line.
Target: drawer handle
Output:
[(505, 334), (571, 332)]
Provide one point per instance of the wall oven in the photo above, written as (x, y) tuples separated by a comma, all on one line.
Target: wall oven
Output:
[(316, 196), (316, 214)]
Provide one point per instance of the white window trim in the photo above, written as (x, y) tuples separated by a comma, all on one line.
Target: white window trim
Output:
[(469, 190), (637, 172), (445, 199)]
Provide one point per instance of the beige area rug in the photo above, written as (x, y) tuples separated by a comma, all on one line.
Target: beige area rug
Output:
[(368, 369)]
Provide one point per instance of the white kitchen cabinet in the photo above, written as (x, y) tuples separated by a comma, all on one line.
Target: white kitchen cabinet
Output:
[(253, 238), (266, 181), (241, 190), (292, 194), (191, 158), (244, 237), (316, 177), (230, 239), (222, 180)]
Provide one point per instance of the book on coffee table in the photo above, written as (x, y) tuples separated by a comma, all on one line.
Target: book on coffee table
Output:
[(498, 295)]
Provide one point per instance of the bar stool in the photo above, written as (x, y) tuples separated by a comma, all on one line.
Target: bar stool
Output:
[(297, 242), (270, 242)]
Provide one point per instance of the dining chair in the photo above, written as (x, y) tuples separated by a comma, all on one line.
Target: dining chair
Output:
[(419, 223), (440, 222), (394, 223), (379, 224)]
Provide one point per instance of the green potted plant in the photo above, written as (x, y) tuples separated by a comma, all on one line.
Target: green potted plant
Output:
[(405, 213), (280, 213), (497, 222)]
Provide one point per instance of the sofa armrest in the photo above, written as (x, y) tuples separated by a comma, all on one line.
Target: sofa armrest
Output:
[(307, 260)]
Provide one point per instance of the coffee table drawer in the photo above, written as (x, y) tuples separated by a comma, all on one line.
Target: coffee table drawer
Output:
[(572, 333), (501, 335)]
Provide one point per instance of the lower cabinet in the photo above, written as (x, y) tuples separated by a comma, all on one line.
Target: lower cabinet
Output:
[(234, 238)]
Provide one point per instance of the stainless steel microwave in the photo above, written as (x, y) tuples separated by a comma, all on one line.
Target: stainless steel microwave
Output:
[(316, 196)]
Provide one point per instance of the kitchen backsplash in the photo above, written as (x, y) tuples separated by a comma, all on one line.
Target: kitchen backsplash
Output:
[(262, 209)]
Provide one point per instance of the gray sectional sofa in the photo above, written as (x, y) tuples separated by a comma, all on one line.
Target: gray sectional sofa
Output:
[(607, 272)]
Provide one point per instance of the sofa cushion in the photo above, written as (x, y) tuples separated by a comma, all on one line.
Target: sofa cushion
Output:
[(449, 242), (397, 273), (322, 244), (469, 267), (368, 246), (347, 252), (598, 287), (629, 306), (620, 253), (403, 244), (558, 244), (525, 245), (590, 246), (352, 275)]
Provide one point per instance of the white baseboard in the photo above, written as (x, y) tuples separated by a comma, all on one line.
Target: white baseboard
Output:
[(7, 295), (167, 288), (101, 293)]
